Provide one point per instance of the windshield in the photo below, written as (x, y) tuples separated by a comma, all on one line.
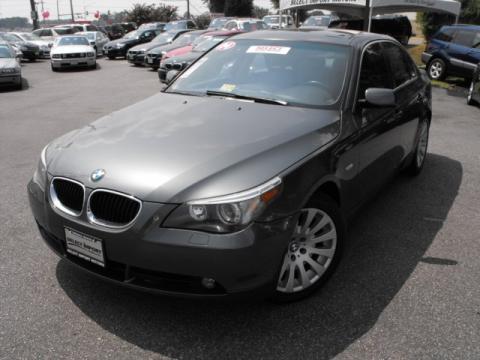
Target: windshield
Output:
[(185, 39), (207, 43), (5, 52), (165, 37), (274, 19), (30, 37), (299, 73), (72, 40), (89, 35), (218, 23), (10, 37), (317, 21), (133, 34), (176, 25)]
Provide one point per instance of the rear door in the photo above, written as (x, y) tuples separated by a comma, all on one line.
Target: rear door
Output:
[(462, 53)]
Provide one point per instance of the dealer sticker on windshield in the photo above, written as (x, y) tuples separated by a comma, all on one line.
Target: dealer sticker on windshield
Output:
[(267, 49)]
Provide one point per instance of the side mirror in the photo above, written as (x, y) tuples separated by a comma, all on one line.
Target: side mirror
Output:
[(171, 75), (380, 97)]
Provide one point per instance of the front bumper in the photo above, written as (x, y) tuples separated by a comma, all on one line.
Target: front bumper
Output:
[(153, 60), (137, 59), (10, 79), (173, 261), (31, 54), (426, 57), (115, 52), (79, 62)]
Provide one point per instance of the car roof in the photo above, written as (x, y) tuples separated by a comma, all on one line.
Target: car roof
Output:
[(464, 26), (331, 36)]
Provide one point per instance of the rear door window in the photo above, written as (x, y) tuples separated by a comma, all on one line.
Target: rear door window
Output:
[(464, 38)]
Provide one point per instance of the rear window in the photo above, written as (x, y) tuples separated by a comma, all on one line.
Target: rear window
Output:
[(64, 31)]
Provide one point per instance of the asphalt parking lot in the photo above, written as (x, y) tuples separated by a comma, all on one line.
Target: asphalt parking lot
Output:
[(408, 286)]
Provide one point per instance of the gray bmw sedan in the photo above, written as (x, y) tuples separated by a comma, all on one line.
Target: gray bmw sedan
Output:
[(240, 176)]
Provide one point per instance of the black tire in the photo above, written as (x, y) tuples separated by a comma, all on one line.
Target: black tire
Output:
[(437, 69), (32, 59), (328, 206), (470, 100), (416, 166), (93, 67), (111, 57), (54, 69)]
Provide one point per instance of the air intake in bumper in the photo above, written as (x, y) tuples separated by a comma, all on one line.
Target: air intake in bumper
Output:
[(112, 209)]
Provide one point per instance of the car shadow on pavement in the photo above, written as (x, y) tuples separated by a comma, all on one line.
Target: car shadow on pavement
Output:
[(387, 240)]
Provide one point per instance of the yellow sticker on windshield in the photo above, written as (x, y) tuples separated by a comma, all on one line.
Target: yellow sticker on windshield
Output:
[(228, 87)]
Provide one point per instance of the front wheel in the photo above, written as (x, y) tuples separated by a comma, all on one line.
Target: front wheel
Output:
[(437, 69), (111, 57), (420, 152), (313, 252), (470, 100)]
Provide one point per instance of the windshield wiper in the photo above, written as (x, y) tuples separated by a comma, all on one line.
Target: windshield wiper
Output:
[(246, 97)]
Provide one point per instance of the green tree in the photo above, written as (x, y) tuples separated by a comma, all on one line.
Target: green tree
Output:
[(431, 22), (240, 8), (259, 12), (202, 20), (143, 13), (215, 6), (14, 23), (275, 3)]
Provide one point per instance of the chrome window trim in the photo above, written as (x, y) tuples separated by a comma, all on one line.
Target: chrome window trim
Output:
[(357, 87), (57, 204), (93, 220)]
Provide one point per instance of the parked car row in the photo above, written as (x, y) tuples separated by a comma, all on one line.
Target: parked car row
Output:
[(10, 69)]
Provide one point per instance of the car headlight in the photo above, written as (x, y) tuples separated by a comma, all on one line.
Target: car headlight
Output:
[(120, 45), (23, 48), (40, 175), (225, 214), (56, 56), (90, 54)]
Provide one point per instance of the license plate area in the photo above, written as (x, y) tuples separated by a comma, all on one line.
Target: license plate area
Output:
[(84, 246)]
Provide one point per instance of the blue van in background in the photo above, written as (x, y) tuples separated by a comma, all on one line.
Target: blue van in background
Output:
[(453, 50)]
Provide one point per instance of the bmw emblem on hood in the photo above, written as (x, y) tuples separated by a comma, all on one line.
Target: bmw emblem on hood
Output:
[(97, 175)]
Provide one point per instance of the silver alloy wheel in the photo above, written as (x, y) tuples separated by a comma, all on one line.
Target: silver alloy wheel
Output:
[(436, 69), (470, 93), (422, 144), (310, 251)]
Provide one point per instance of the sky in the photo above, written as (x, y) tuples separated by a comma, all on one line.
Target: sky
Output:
[(10, 8)]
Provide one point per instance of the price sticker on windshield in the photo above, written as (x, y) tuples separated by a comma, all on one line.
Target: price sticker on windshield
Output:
[(226, 46), (267, 49)]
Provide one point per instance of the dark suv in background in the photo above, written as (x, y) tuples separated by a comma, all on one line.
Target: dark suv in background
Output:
[(397, 26), (453, 50)]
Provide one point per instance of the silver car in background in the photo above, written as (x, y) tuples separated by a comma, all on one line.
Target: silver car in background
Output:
[(10, 69), (73, 51), (44, 45), (97, 39), (272, 21)]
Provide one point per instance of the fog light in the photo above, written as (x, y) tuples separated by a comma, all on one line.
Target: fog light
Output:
[(208, 283)]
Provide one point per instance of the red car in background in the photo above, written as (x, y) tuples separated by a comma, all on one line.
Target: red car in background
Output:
[(186, 49), (180, 58)]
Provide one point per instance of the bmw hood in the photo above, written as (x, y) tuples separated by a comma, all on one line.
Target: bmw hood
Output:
[(9, 63), (172, 148)]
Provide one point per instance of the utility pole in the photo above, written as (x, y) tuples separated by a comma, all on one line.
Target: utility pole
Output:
[(34, 14), (366, 15), (188, 9), (58, 11), (71, 10)]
